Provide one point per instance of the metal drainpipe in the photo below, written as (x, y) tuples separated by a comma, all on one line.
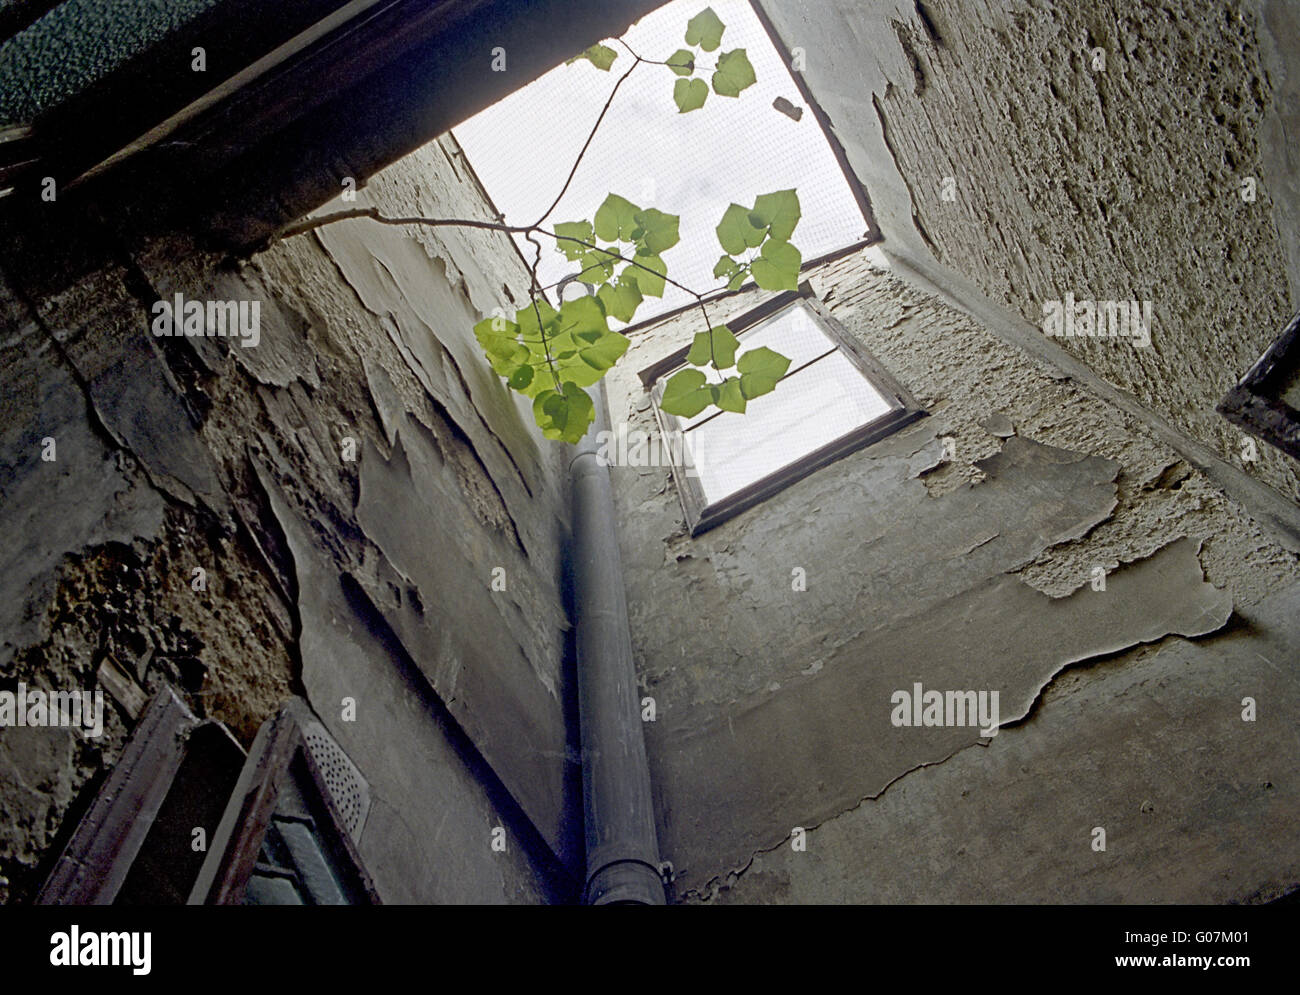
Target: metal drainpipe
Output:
[(618, 813)]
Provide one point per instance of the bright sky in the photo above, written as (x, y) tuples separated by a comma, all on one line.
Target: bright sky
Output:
[(693, 165)]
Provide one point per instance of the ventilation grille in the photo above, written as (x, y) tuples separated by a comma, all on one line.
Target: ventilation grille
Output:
[(347, 788)]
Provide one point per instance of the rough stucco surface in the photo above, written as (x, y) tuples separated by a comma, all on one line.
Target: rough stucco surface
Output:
[(773, 704), (77, 44), (328, 576), (963, 375), (1122, 183)]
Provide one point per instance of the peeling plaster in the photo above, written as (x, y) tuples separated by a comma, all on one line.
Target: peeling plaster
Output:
[(763, 692), (1199, 807), (170, 451), (729, 775), (425, 838)]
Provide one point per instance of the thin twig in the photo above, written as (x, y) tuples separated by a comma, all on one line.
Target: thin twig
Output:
[(528, 231), (587, 144), (308, 224), (699, 298), (537, 311), (659, 62), (622, 258)]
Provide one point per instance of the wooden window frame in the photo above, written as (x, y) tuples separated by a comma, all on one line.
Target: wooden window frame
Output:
[(279, 752)]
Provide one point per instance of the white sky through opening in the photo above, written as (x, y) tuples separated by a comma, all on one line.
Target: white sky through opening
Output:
[(692, 165)]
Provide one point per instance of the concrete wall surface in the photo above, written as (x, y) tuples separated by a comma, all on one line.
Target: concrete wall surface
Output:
[(964, 553), (348, 486)]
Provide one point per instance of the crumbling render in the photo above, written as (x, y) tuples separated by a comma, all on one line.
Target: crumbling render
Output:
[(1164, 595), (955, 616)]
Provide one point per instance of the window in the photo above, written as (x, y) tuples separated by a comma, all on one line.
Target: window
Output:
[(1266, 402), (289, 832), (833, 400)]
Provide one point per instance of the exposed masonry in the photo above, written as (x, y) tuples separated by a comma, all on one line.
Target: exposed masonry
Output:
[(239, 468), (742, 681)]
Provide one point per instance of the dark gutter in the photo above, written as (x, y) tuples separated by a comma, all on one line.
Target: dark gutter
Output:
[(618, 809)]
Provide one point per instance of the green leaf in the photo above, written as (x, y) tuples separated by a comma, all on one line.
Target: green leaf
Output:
[(496, 335), (527, 318), (760, 369), (605, 351), (777, 267), (682, 62), (584, 319), (616, 219), (505, 364), (563, 346), (717, 346), (769, 277), (686, 394), (582, 412), (580, 374), (729, 397), (734, 73), (658, 230), (504, 354), (737, 280), (522, 377), (690, 94), (752, 385), (564, 415), (735, 233), (726, 266), (779, 212), (580, 230), (542, 380), (705, 30), (652, 282), (597, 267), (764, 362), (600, 56), (621, 299)]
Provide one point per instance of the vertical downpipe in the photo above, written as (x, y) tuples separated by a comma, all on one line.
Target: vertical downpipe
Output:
[(618, 812)]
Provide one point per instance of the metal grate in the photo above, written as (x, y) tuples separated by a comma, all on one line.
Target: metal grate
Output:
[(523, 147), (348, 789)]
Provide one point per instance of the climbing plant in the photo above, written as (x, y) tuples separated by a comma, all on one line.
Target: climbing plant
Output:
[(552, 354)]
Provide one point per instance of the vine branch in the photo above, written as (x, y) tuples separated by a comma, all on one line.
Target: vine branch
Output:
[(604, 255)]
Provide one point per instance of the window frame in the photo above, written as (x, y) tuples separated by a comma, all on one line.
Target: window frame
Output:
[(282, 761), (1257, 403), (702, 516)]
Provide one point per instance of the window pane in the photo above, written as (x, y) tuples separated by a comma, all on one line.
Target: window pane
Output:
[(793, 332), (687, 164), (810, 409)]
